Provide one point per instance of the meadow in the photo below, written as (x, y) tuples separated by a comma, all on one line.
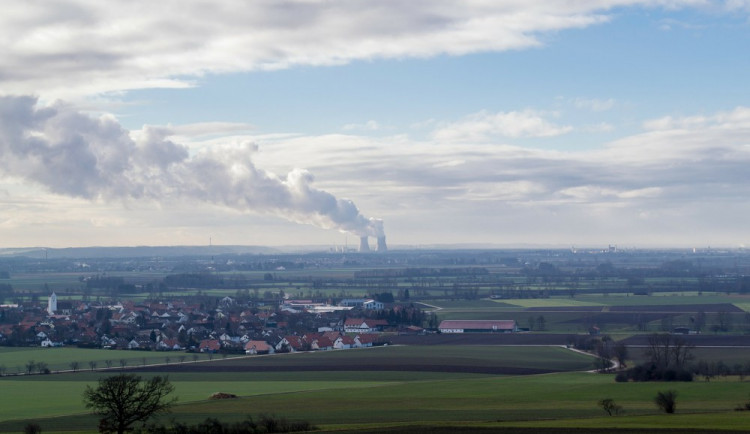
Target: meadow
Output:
[(415, 393), (555, 400), (15, 359)]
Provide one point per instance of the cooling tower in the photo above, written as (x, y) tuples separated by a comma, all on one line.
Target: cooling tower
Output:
[(381, 244), (364, 246)]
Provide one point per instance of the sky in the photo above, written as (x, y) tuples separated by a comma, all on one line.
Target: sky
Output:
[(316, 122)]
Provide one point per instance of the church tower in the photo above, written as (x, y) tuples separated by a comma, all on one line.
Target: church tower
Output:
[(52, 304)]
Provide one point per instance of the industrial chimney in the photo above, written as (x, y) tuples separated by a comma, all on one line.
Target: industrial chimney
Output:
[(364, 246), (381, 244)]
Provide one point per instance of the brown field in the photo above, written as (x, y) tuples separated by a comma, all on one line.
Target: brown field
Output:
[(485, 339)]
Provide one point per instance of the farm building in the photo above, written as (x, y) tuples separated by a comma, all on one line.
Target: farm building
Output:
[(479, 326), (364, 325)]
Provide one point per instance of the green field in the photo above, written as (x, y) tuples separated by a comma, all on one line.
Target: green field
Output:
[(411, 394), (14, 359), (566, 399)]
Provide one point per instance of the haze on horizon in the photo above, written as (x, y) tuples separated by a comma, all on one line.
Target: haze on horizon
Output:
[(306, 122)]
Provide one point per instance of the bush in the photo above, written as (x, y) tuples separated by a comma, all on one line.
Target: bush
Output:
[(743, 407), (265, 424), (666, 401), (32, 428), (649, 372)]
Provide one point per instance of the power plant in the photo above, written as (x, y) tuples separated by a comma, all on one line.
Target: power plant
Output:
[(364, 245), (381, 244)]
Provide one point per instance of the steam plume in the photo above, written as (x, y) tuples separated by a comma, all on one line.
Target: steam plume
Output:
[(74, 154)]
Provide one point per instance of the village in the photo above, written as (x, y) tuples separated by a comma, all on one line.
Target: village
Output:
[(208, 324)]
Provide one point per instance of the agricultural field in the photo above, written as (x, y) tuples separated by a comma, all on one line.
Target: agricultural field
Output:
[(553, 400), (14, 360)]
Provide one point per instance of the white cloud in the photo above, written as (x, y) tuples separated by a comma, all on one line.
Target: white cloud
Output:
[(594, 104), (687, 176), (73, 47), (484, 126), (76, 155), (370, 125)]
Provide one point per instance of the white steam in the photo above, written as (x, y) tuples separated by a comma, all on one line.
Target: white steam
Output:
[(74, 154)]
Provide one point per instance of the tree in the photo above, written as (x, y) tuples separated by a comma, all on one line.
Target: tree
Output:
[(608, 405), (74, 365), (92, 365), (620, 352), (666, 401), (541, 323), (125, 399), (665, 351), (30, 366)]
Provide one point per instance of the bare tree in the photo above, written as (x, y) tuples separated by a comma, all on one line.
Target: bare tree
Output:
[(74, 365), (92, 365), (609, 405), (123, 363), (666, 351), (620, 352), (30, 366), (108, 363), (42, 368), (125, 399)]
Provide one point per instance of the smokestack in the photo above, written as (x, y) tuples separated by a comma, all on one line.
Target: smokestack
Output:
[(381, 244), (364, 246)]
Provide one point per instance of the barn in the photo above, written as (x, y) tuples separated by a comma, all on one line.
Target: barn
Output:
[(478, 326)]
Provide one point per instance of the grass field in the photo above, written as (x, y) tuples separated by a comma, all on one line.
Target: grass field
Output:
[(34, 396), (14, 359), (549, 302), (555, 400)]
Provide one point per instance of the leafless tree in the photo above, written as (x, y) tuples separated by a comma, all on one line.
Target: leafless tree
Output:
[(667, 351), (125, 399), (610, 406)]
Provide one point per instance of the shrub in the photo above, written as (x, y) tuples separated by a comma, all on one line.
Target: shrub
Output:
[(666, 401), (32, 428)]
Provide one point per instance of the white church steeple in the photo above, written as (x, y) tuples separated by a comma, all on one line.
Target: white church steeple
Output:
[(52, 304)]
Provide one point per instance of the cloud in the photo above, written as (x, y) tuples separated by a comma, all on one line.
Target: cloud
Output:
[(683, 177), (73, 47), (666, 185), (594, 104), (483, 126), (370, 125), (75, 155)]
